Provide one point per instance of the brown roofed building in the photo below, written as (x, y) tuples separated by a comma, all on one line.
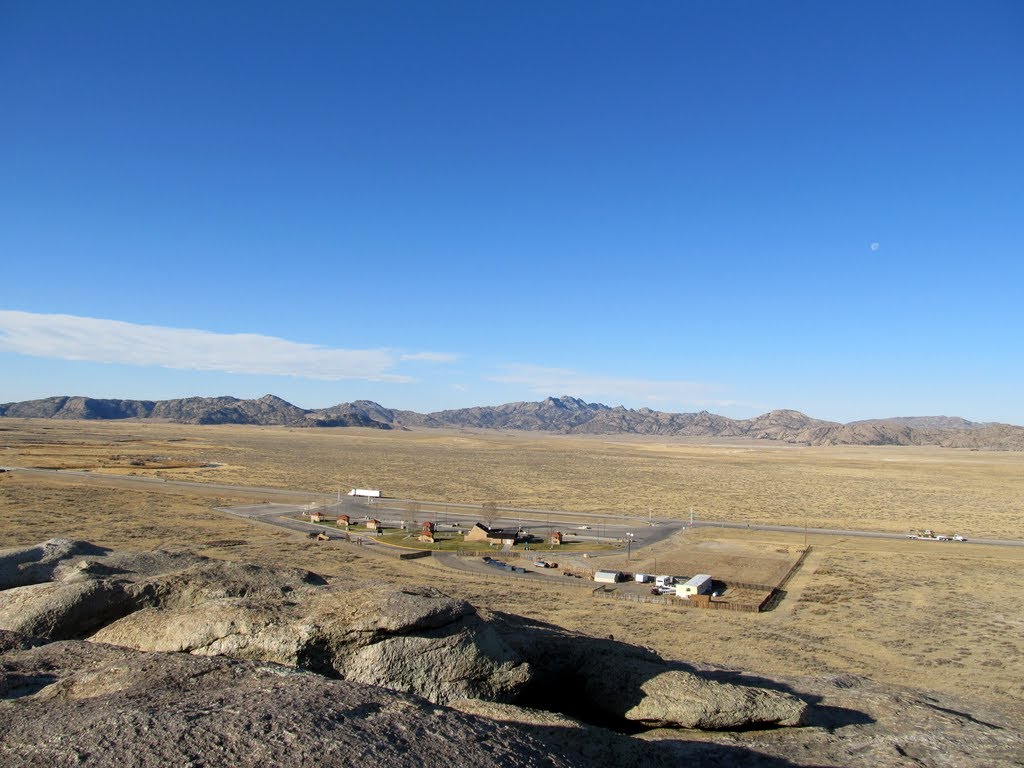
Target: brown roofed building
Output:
[(427, 532), (556, 538), (480, 532)]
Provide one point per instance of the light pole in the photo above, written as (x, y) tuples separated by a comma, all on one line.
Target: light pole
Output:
[(629, 545)]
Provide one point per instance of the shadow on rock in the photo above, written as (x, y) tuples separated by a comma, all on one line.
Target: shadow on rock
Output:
[(22, 566), (630, 688)]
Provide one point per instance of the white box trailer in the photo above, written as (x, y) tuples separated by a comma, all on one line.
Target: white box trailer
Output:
[(664, 581), (698, 585), (642, 578), (607, 577), (367, 492)]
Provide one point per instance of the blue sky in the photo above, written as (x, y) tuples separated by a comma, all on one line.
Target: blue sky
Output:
[(731, 206)]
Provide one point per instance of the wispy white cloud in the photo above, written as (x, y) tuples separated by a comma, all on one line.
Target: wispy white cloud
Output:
[(624, 389), (68, 337), (430, 357)]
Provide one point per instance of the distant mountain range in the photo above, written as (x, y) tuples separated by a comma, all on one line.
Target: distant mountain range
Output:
[(564, 415)]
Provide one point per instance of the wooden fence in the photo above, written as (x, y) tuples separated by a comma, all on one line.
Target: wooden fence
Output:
[(610, 593), (796, 567), (416, 554)]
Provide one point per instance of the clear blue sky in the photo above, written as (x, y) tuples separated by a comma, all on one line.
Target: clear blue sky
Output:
[(735, 206)]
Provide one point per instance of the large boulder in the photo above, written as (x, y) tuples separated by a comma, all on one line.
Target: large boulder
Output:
[(680, 698), (409, 639)]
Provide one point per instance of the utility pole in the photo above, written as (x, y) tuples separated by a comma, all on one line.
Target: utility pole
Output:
[(691, 517)]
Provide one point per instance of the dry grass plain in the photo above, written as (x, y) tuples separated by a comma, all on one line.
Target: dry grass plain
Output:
[(938, 617)]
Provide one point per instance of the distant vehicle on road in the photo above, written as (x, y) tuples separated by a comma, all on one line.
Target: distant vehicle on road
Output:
[(582, 527), (368, 493), (929, 535)]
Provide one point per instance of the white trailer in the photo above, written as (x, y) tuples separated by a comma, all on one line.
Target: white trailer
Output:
[(367, 492), (698, 585), (642, 578), (664, 581)]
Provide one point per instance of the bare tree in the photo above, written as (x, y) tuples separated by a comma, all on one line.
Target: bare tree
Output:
[(489, 512), (412, 510)]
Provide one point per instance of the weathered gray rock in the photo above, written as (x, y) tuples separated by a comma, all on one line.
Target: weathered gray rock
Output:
[(74, 703), (421, 641), (683, 699), (599, 679), (61, 611), (236, 627), (21, 566), (208, 579), (471, 661)]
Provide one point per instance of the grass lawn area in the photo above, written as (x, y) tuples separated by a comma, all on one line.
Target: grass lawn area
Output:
[(455, 542)]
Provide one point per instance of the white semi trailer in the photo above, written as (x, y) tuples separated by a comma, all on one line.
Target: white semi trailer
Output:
[(367, 492)]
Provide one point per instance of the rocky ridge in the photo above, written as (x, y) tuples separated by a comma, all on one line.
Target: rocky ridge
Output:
[(279, 666), (563, 415)]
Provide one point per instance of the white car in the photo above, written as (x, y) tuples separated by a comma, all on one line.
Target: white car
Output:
[(582, 527)]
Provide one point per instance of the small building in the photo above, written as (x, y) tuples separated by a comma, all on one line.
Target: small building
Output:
[(315, 517), (344, 520), (480, 532), (373, 523), (556, 539), (427, 532), (698, 585), (607, 577)]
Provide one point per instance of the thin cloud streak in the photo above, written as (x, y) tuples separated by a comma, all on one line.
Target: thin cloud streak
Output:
[(655, 392), (68, 337), (431, 357)]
